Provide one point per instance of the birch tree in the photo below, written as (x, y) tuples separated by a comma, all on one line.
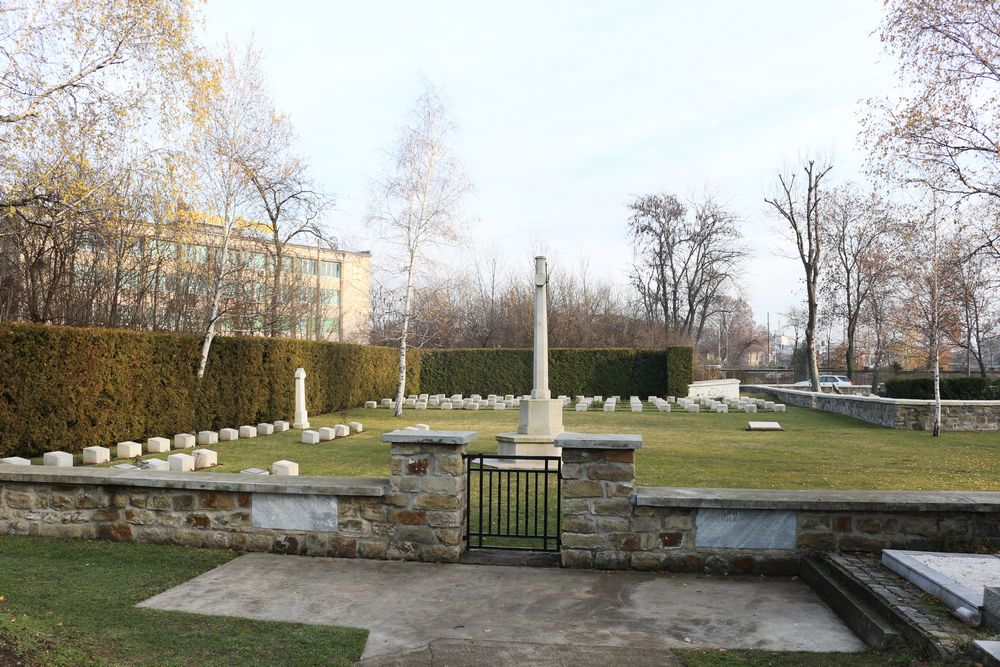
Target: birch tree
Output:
[(217, 148), (801, 211), (418, 202), (944, 134)]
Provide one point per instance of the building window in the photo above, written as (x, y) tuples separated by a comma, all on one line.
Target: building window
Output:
[(307, 266), (307, 294), (196, 253), (331, 327), (304, 326), (331, 297), (286, 264), (255, 260), (329, 269)]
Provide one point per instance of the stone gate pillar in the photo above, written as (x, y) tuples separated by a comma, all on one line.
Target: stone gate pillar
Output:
[(427, 500), (598, 484)]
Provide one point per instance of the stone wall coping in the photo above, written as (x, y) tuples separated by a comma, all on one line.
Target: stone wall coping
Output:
[(870, 399), (709, 383), (402, 437), (785, 499), (201, 481), (598, 441)]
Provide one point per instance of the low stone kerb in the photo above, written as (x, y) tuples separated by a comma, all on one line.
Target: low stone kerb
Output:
[(598, 441)]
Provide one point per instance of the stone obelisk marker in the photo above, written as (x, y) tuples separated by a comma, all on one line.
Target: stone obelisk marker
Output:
[(541, 415)]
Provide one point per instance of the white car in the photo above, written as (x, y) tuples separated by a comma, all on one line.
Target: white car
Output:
[(827, 381)]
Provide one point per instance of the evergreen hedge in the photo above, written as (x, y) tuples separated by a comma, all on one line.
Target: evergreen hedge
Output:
[(68, 388), (952, 389), (680, 369), (572, 371)]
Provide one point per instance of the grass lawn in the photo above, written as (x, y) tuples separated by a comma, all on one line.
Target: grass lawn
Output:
[(817, 450), (70, 602)]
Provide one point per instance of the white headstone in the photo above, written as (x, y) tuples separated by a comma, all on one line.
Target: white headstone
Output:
[(183, 441), (286, 468), (157, 445), (129, 449), (207, 438), (228, 434), (180, 463), (301, 416), (248, 431), (95, 455), (205, 458), (310, 437)]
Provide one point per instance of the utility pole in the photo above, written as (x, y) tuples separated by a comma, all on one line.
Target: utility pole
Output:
[(769, 339)]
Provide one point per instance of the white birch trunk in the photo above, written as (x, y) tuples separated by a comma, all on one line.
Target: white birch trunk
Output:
[(401, 391), (213, 317)]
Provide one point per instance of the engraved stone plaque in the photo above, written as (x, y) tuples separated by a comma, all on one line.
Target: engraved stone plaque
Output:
[(745, 529), (294, 512)]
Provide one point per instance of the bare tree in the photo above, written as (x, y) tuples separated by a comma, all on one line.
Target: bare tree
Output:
[(682, 262), (802, 213), (418, 204), (863, 236)]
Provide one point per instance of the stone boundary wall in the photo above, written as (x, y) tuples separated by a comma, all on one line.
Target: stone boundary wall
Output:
[(609, 523), (898, 413), (415, 514)]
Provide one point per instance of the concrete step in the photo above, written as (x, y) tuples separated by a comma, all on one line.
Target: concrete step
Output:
[(511, 557), (987, 651), (871, 626)]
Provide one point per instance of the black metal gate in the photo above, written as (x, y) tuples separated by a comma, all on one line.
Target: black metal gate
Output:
[(513, 502)]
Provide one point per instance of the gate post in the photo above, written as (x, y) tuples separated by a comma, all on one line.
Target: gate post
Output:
[(598, 486), (427, 501)]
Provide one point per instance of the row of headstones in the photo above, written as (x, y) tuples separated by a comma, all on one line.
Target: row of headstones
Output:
[(328, 433), (197, 460), (584, 403), (453, 402)]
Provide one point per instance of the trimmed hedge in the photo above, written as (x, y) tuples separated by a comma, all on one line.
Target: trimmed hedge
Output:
[(68, 388), (952, 389), (680, 369), (571, 371)]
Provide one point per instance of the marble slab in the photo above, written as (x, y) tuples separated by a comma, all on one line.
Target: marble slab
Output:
[(298, 512), (745, 529)]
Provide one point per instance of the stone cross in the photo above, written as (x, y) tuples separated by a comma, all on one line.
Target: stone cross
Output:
[(301, 416), (540, 387)]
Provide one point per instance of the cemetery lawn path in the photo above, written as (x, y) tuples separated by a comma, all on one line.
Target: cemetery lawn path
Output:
[(70, 602), (817, 450)]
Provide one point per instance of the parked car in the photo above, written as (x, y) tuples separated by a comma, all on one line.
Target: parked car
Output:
[(827, 381)]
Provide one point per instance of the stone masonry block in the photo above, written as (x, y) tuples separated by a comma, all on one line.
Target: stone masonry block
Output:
[(611, 472), (582, 488), (94, 455)]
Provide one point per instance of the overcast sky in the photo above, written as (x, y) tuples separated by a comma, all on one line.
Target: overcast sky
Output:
[(568, 109)]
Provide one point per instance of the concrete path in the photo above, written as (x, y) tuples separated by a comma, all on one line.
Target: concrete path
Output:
[(408, 607)]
